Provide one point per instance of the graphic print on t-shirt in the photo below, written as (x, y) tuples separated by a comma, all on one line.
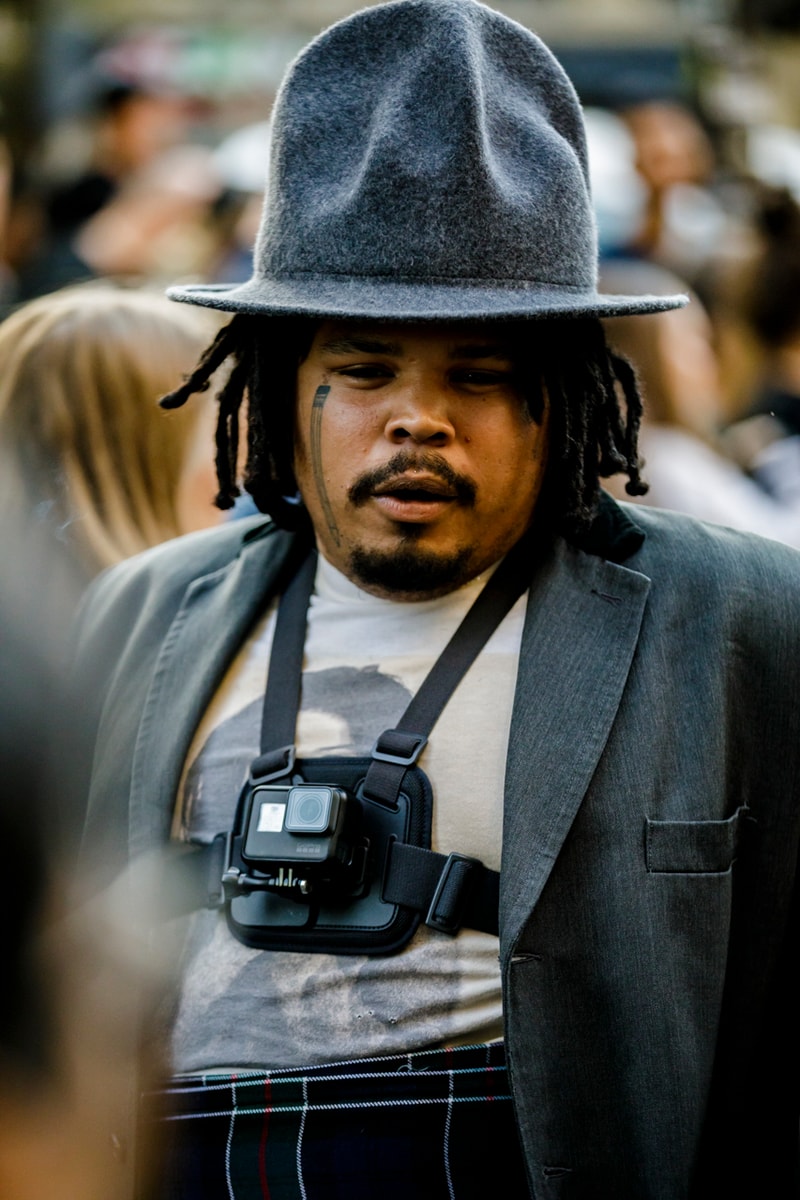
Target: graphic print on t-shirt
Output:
[(343, 709), (309, 997), (243, 1007)]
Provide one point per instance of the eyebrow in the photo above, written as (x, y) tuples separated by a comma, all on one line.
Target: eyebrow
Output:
[(475, 350), (367, 345), (360, 345)]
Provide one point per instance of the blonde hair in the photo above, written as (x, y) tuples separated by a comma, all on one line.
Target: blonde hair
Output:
[(81, 371)]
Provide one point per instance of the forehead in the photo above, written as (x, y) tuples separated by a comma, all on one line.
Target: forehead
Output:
[(445, 337)]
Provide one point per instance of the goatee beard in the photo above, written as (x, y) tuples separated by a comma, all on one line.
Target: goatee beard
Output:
[(410, 572)]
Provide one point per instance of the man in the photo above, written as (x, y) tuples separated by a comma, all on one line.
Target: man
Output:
[(612, 728)]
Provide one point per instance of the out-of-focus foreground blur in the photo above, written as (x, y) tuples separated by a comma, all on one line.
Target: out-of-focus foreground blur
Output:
[(80, 976), (133, 154)]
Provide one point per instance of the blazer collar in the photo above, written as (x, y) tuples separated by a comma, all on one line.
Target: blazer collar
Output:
[(214, 617), (613, 535), (581, 630)]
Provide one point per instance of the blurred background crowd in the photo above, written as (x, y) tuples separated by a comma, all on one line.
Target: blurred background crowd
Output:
[(133, 154)]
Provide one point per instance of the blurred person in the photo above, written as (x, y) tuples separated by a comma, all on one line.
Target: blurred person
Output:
[(130, 126), (159, 224), (682, 220), (618, 191), (680, 438), (81, 977), (490, 781), (86, 445), (242, 162), (765, 298), (5, 201)]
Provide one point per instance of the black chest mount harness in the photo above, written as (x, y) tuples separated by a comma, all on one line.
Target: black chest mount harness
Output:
[(333, 854)]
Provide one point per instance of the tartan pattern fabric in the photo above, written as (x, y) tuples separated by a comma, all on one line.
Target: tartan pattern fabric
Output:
[(436, 1123)]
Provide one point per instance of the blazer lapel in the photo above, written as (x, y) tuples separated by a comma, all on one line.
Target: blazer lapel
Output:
[(581, 630), (214, 617)]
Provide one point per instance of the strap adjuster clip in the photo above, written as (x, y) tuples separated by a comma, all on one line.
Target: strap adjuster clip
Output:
[(272, 765), (419, 741), (446, 908)]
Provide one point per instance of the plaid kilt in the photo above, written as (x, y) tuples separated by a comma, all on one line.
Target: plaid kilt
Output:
[(436, 1123)]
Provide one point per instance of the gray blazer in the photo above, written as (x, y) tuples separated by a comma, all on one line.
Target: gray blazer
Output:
[(650, 843)]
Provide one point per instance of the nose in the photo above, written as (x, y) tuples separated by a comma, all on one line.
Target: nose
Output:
[(420, 414)]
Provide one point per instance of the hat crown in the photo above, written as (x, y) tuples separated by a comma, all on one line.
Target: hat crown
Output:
[(428, 162), (429, 140)]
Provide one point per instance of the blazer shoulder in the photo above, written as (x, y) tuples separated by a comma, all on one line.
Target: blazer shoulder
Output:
[(740, 572), (172, 565), (145, 591), (679, 535)]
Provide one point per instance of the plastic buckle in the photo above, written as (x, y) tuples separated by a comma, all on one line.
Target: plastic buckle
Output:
[(451, 924), (229, 882), (277, 766), (400, 760)]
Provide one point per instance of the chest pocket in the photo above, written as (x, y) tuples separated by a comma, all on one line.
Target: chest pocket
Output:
[(695, 847)]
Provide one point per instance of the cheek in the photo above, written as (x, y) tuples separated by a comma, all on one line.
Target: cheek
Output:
[(520, 471), (347, 433), (359, 417), (329, 455), (512, 444)]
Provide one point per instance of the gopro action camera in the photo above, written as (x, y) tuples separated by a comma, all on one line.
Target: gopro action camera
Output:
[(299, 834)]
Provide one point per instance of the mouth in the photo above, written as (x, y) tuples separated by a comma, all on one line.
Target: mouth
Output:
[(414, 497), (414, 488)]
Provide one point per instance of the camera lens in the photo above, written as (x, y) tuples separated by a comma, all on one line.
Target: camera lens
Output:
[(310, 809)]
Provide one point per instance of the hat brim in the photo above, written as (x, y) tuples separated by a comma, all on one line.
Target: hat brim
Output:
[(365, 298)]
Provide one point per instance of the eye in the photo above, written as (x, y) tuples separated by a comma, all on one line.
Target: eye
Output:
[(482, 377), (365, 372)]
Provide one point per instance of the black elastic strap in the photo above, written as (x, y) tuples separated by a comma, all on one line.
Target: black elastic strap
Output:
[(451, 889), (284, 679), (395, 749), (399, 748), (495, 601), (405, 742)]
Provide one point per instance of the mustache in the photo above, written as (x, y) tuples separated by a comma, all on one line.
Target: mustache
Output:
[(405, 461)]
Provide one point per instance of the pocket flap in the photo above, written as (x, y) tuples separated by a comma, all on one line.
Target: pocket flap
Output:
[(694, 847)]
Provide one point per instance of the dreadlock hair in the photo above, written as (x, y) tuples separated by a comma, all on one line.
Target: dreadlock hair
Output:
[(594, 401), (592, 434), (266, 355)]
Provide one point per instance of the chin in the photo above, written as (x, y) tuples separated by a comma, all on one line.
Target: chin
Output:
[(411, 571)]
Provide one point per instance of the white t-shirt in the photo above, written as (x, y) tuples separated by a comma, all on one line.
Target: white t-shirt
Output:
[(364, 659)]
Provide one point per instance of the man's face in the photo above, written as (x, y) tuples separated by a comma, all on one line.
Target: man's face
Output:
[(415, 453)]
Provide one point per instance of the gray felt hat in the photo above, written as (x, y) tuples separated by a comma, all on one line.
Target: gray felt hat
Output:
[(428, 162)]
